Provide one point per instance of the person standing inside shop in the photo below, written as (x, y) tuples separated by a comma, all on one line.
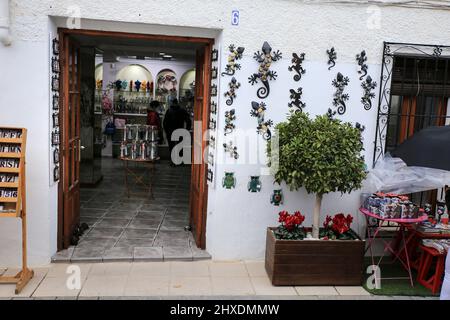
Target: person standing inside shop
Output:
[(175, 118), (153, 118)]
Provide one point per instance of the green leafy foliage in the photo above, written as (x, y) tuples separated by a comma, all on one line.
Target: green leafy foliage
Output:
[(332, 235), (297, 233), (321, 155)]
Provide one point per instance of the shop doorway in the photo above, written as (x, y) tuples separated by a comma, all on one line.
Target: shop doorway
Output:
[(92, 190)]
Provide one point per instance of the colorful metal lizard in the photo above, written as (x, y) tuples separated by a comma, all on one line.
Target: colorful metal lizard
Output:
[(263, 128), (265, 59), (232, 66)]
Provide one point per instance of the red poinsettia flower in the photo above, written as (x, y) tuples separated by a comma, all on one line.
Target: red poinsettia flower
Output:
[(341, 223), (327, 221), (349, 220), (282, 216), (291, 221)]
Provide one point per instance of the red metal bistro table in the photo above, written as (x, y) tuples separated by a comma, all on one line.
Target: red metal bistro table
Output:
[(401, 252)]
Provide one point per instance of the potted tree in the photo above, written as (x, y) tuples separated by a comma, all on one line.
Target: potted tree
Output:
[(322, 155)]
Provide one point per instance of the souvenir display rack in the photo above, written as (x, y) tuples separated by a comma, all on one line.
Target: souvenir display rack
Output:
[(131, 102), (13, 193), (139, 145)]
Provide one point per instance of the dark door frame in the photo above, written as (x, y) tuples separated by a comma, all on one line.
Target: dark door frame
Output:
[(208, 42)]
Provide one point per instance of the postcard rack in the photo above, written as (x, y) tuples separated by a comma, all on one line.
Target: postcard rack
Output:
[(13, 193)]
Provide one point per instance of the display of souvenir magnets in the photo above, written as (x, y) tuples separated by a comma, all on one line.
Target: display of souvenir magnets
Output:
[(214, 55), (254, 185), (212, 142), (55, 138), (55, 118), (211, 158), (214, 90), (55, 65), (210, 176), (212, 124), (55, 102), (277, 197), (229, 181), (55, 83), (214, 73), (213, 107), (56, 156), (55, 46), (56, 175)]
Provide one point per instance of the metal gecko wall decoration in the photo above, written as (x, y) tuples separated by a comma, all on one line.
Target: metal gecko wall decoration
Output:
[(265, 59), (361, 59), (368, 85), (296, 66), (230, 116), (232, 65), (263, 128), (340, 97), (332, 56), (232, 150), (361, 129), (296, 102), (231, 93), (330, 113)]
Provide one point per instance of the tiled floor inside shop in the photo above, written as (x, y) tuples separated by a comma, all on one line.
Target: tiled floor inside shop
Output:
[(136, 228)]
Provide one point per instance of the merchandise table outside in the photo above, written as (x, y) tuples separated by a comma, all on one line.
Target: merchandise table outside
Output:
[(139, 179), (403, 226), (417, 237)]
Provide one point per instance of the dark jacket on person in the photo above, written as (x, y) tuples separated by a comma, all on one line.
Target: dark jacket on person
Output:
[(176, 118)]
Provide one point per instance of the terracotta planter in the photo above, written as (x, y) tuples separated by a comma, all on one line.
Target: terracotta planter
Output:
[(314, 262)]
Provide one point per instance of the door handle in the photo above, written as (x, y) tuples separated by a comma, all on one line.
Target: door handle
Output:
[(80, 147)]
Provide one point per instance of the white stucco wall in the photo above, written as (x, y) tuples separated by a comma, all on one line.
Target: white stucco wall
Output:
[(236, 219)]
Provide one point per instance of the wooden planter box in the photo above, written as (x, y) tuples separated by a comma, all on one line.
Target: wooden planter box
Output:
[(314, 262)]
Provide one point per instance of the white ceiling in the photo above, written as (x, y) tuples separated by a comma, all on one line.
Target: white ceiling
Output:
[(122, 47)]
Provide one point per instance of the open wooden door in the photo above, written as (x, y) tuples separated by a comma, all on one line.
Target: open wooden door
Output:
[(199, 187), (70, 140)]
